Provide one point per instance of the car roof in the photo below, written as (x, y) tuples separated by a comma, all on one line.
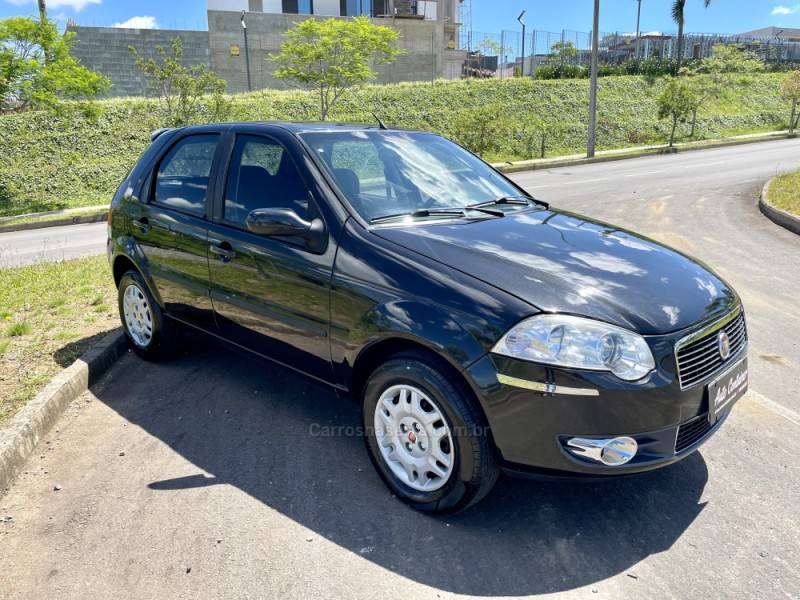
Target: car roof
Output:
[(298, 127)]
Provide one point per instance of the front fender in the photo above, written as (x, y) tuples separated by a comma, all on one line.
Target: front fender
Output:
[(426, 324)]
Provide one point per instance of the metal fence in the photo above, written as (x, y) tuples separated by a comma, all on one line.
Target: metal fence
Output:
[(501, 54)]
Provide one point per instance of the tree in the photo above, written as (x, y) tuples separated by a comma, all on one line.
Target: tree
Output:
[(37, 69), (677, 16), (482, 129), (332, 56), (181, 88), (564, 51), (790, 90), (728, 68), (730, 58), (533, 133), (677, 101)]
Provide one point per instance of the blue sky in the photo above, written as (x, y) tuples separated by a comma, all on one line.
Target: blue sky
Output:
[(726, 16)]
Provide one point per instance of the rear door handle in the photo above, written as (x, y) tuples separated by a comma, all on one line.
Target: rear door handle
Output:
[(142, 224), (222, 250)]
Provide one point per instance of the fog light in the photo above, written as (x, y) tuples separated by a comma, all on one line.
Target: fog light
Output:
[(612, 452)]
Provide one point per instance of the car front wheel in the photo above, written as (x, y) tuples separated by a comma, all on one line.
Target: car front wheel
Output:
[(426, 435)]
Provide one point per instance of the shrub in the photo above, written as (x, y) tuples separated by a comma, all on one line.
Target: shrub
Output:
[(561, 71), (180, 88)]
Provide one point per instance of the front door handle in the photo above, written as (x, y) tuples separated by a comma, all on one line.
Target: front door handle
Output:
[(142, 224), (222, 250)]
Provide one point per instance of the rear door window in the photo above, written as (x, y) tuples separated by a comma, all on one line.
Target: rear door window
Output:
[(184, 172)]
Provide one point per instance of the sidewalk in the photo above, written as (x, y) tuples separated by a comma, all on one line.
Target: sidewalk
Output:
[(635, 152)]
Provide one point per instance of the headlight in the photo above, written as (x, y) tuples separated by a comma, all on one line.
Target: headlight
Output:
[(579, 343)]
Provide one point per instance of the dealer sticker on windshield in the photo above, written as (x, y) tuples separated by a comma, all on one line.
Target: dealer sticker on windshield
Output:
[(727, 389)]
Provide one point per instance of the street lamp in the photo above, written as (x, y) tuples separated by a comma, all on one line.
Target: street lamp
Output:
[(246, 54), (638, 30), (593, 85), (522, 22)]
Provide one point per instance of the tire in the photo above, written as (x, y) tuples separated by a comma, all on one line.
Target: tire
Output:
[(415, 467), (150, 335)]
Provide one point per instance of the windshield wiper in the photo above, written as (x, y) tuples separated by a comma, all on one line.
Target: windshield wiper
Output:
[(436, 212), (521, 200), (422, 212)]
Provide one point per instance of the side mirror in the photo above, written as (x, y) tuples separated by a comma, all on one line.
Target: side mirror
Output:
[(284, 222)]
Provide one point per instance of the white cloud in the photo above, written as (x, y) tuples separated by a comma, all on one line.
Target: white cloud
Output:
[(782, 10), (143, 22)]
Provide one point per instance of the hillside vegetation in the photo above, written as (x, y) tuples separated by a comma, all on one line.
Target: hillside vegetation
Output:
[(55, 161)]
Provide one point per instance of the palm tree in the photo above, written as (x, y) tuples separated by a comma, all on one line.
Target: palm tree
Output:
[(677, 16)]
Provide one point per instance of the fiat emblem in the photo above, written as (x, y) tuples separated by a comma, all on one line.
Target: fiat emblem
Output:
[(724, 345), (411, 437)]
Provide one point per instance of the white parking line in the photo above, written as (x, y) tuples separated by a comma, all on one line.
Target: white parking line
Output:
[(786, 413)]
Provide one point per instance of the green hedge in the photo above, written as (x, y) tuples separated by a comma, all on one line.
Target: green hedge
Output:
[(72, 159)]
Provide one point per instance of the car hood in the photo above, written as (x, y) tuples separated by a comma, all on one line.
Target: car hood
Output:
[(562, 262)]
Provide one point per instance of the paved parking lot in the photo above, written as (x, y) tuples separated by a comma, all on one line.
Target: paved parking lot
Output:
[(203, 477)]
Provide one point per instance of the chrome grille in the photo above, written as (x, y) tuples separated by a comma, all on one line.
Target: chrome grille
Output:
[(691, 432), (697, 355)]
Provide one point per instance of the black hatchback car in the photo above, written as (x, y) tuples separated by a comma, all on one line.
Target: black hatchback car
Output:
[(478, 328)]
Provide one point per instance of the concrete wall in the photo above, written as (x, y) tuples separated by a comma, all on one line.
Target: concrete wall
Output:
[(423, 41), (105, 50)]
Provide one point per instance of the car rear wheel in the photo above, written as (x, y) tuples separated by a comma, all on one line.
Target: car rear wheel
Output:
[(142, 319), (427, 436)]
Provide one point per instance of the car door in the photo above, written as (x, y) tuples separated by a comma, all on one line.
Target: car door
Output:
[(171, 227), (271, 294)]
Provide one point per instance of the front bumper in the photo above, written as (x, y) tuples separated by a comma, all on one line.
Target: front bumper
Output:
[(532, 424)]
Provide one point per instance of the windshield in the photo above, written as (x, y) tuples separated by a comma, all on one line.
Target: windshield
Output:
[(393, 173)]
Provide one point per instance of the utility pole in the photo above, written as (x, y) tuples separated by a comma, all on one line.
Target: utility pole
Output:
[(638, 30), (246, 54), (522, 22), (42, 10), (593, 83)]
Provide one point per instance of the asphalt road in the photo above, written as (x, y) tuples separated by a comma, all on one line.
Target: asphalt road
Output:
[(51, 243), (203, 477)]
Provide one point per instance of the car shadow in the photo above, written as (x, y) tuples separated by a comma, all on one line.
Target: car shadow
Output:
[(69, 353), (292, 444)]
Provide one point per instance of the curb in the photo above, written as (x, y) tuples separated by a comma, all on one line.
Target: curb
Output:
[(76, 220), (20, 436), (775, 214), (550, 163)]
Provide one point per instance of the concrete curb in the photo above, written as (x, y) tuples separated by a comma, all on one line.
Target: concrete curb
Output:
[(74, 220), (550, 163), (20, 436), (775, 214)]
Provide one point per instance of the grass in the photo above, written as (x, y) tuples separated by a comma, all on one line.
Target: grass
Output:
[(784, 193), (51, 314), (56, 161), (18, 329)]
